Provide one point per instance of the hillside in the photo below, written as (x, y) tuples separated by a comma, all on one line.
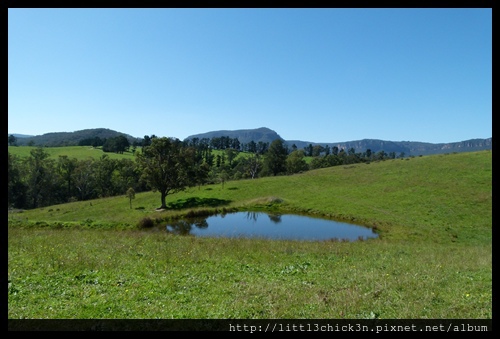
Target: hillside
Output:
[(409, 148), (429, 197), (59, 139), (262, 134), (266, 135)]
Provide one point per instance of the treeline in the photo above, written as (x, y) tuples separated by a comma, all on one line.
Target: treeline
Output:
[(167, 165)]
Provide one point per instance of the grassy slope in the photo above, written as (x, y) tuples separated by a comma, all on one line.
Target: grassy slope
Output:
[(441, 197), (78, 152), (433, 259)]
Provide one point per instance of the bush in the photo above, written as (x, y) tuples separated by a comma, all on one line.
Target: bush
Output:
[(146, 222)]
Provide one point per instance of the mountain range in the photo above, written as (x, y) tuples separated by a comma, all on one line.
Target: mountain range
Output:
[(409, 148), (375, 145)]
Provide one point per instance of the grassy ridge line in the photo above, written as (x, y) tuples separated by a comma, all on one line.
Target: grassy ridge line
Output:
[(440, 198)]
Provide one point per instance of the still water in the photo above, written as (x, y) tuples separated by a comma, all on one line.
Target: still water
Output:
[(270, 226)]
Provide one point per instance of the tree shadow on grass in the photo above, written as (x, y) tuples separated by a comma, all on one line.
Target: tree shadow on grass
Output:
[(197, 202)]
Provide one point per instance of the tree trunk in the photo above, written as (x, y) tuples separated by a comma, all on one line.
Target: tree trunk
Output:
[(163, 198)]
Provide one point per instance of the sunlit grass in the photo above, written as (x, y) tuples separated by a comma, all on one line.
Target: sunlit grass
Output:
[(433, 258)]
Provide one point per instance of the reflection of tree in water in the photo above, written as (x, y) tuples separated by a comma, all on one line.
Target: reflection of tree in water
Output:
[(201, 223), (252, 215), (276, 218), (183, 227)]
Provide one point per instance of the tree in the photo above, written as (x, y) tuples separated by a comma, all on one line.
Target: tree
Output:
[(369, 154), (309, 150), (275, 158), (66, 168), (12, 140), (117, 144), (327, 150), (146, 141), (130, 195), (316, 150), (165, 166), (231, 155), (223, 177), (40, 178), (84, 179), (295, 162), (103, 176), (17, 189), (252, 147), (249, 166), (335, 150)]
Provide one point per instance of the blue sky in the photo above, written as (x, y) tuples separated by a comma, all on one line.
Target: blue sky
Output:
[(318, 75)]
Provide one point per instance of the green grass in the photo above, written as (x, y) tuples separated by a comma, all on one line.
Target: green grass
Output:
[(78, 152), (433, 258)]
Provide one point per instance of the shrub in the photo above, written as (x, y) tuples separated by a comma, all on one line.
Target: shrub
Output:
[(146, 222)]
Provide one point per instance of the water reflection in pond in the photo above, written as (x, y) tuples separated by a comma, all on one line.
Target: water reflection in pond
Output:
[(270, 226)]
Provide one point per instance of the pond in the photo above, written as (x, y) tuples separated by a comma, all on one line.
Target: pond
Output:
[(270, 226)]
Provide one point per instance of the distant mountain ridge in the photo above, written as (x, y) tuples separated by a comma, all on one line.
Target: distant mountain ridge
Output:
[(409, 148), (60, 139), (263, 134)]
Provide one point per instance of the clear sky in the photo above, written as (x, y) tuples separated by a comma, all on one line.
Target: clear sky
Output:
[(318, 75)]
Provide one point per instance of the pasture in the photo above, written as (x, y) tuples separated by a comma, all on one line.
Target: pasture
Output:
[(432, 260)]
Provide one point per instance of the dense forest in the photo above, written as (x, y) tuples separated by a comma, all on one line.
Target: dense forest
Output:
[(162, 164)]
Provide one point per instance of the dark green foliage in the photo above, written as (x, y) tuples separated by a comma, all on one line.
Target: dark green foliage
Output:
[(167, 166), (275, 158), (146, 222)]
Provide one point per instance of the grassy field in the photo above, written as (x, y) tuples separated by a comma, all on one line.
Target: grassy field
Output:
[(78, 152), (432, 260)]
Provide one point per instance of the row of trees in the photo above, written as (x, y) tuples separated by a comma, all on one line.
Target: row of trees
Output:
[(166, 165), (38, 180)]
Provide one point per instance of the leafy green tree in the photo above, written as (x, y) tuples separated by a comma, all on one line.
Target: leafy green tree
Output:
[(84, 179), (231, 154), (318, 162), (369, 154), (17, 189), (117, 144), (381, 155), (166, 166), (335, 150), (223, 177), (309, 150), (12, 140), (146, 141), (249, 166), (66, 168), (252, 147), (262, 147), (316, 150), (126, 175), (275, 158), (295, 162), (103, 176), (40, 178), (327, 150)]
